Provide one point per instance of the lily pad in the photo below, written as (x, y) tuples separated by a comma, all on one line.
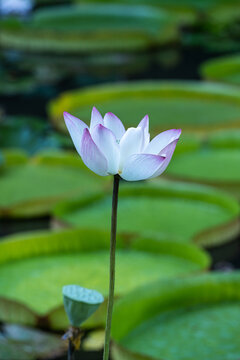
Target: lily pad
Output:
[(195, 5), (87, 28), (188, 105), (224, 69), (186, 212), (192, 318), (214, 160), (35, 266), (184, 12), (33, 188)]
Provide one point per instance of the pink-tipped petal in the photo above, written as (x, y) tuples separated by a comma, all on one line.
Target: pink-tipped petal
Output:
[(113, 123), (167, 152), (131, 143), (96, 118), (162, 140), (106, 142), (75, 127), (92, 157), (141, 166), (144, 124)]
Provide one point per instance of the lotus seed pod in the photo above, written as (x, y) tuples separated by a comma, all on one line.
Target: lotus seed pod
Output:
[(80, 303)]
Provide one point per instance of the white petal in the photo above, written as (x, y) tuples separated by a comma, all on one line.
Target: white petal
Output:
[(168, 153), (131, 143), (106, 142), (113, 123), (92, 157), (144, 124), (141, 166), (96, 118), (162, 140), (75, 127)]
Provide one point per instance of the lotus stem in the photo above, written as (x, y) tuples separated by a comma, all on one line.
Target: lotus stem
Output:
[(70, 350), (112, 267)]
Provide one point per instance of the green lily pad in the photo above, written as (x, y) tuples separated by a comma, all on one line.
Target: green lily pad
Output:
[(224, 69), (33, 188), (87, 28), (190, 4), (35, 266), (214, 160), (192, 318), (183, 12), (187, 105), (186, 212), (14, 157)]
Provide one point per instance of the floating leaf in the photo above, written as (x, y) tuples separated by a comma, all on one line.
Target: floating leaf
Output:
[(187, 105), (224, 69), (87, 28), (204, 162), (35, 266), (175, 210), (192, 318), (35, 187)]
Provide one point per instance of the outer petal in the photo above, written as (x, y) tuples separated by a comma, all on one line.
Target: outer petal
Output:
[(131, 143), (168, 153), (75, 127), (92, 157), (141, 166), (162, 140), (96, 118), (113, 123), (144, 124), (106, 142)]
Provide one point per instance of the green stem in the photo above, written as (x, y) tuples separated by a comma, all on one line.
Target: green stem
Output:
[(112, 267)]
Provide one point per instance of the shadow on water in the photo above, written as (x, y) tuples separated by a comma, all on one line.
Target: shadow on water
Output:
[(12, 226)]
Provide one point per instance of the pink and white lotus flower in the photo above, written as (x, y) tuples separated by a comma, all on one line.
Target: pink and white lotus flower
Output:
[(107, 148)]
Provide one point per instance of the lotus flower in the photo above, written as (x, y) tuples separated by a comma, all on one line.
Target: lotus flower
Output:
[(108, 149)]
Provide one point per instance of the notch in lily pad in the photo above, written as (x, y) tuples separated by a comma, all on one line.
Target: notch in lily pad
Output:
[(80, 303)]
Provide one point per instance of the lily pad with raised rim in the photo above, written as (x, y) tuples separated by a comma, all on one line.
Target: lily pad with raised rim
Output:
[(35, 266), (186, 212), (88, 28), (188, 105), (34, 187), (192, 318), (212, 159), (223, 69)]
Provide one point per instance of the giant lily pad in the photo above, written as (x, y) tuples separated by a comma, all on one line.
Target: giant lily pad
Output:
[(213, 160), (177, 210), (224, 69), (194, 5), (187, 105), (34, 267), (34, 187), (195, 318), (88, 28), (183, 12)]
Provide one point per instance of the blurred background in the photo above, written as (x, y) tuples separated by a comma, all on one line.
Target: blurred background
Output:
[(178, 62)]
